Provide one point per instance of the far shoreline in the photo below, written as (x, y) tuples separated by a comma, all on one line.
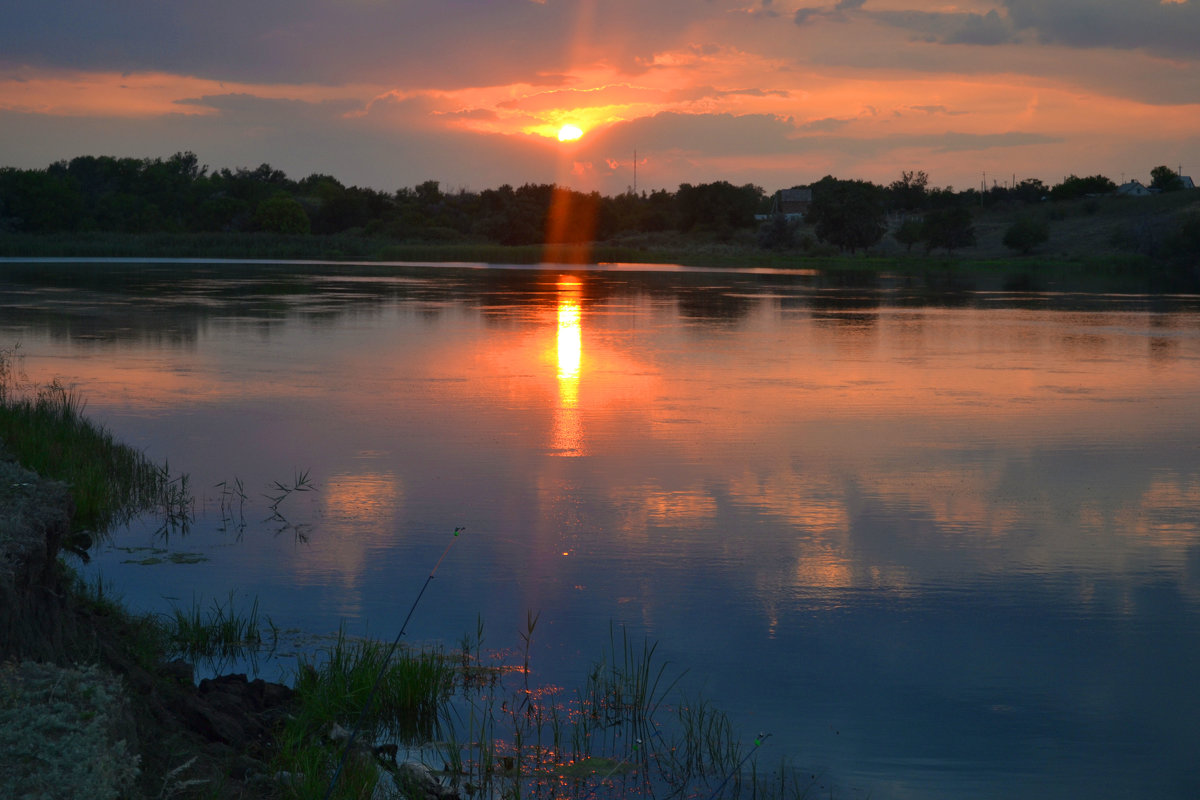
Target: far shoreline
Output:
[(1105, 272)]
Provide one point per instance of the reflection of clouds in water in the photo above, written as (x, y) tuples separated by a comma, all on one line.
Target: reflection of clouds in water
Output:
[(687, 508), (949, 525), (651, 506), (819, 553), (363, 497), (1166, 521), (361, 510), (807, 502)]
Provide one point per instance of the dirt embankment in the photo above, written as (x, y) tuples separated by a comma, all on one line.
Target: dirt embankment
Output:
[(88, 706)]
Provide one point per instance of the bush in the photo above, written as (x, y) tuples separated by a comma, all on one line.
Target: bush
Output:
[(950, 228), (281, 214), (62, 733), (1184, 242), (1026, 234), (778, 233), (909, 233)]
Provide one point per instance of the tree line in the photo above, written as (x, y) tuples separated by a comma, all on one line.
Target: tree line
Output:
[(178, 194)]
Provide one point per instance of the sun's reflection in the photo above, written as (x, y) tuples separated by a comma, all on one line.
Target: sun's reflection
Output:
[(568, 430), (570, 342)]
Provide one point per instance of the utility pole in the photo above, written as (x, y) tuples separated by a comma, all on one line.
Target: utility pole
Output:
[(635, 171)]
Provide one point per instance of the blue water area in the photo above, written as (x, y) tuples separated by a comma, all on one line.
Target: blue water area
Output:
[(939, 539)]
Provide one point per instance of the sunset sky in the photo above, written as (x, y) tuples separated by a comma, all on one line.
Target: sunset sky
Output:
[(473, 93)]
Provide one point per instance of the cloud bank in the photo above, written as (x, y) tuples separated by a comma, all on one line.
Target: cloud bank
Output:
[(389, 93)]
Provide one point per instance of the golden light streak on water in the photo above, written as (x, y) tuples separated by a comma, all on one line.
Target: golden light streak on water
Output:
[(568, 429)]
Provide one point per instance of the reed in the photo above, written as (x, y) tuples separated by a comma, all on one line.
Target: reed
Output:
[(334, 686), (216, 635)]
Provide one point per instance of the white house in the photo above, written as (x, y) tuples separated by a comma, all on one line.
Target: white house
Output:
[(1133, 189)]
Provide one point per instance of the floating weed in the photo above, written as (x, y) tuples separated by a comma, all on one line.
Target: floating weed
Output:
[(163, 557), (300, 483)]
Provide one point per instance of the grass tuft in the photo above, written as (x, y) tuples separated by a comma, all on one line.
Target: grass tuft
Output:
[(219, 634), (45, 430)]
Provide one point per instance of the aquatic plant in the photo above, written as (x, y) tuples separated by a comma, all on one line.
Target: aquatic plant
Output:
[(336, 684), (300, 483), (360, 683), (233, 505), (215, 635), (628, 730)]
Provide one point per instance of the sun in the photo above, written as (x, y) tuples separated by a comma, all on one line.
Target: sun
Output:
[(569, 133)]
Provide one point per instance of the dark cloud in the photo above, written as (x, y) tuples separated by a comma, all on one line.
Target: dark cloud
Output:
[(827, 125), (805, 15), (931, 110), (266, 108), (837, 12), (764, 10), (951, 28), (1165, 28), (957, 142), (1169, 29), (986, 29), (449, 43), (934, 143), (719, 135)]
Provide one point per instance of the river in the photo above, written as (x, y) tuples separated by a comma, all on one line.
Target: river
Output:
[(938, 541)]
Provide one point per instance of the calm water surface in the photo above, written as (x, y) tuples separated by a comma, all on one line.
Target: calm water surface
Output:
[(938, 543)]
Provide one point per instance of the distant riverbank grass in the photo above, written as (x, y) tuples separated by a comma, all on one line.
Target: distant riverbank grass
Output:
[(736, 251)]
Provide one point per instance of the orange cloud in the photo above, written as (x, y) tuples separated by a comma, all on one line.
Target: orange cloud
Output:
[(144, 94)]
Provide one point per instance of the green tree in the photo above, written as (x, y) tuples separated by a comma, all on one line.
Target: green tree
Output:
[(39, 201), (1165, 179), (1031, 190), (1026, 234), (950, 228), (1183, 244), (281, 214), (847, 213), (908, 193), (1073, 187), (909, 233), (720, 206), (777, 233)]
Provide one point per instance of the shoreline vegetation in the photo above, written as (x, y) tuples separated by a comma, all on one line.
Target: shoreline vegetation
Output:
[(105, 207), (99, 702), (1081, 270)]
